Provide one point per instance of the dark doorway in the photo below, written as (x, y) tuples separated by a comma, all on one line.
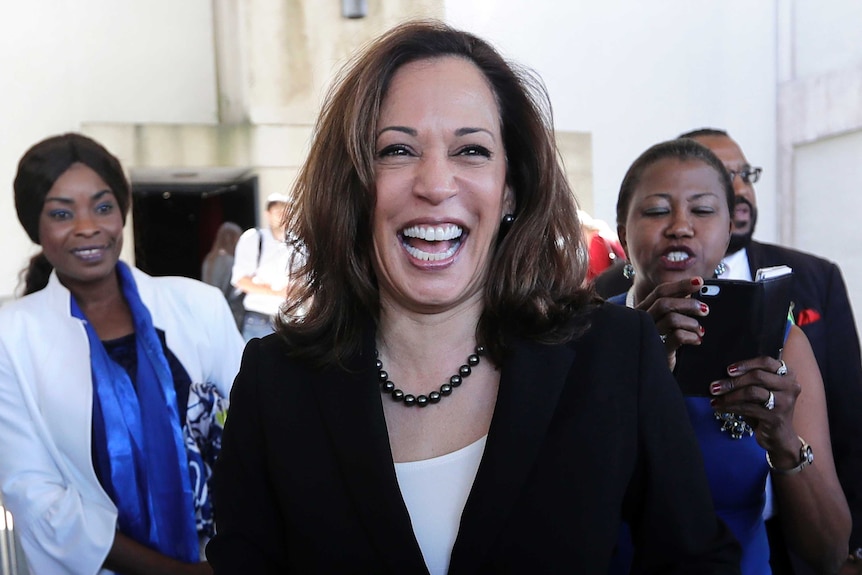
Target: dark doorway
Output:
[(175, 224)]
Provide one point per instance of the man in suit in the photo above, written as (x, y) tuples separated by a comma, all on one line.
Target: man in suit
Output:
[(820, 307)]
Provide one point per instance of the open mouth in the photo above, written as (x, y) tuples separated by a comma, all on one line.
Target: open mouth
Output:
[(432, 243), (677, 256), (89, 253)]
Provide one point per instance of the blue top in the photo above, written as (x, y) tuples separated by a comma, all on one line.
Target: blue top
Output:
[(736, 470)]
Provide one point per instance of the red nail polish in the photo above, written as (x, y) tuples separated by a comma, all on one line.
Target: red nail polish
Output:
[(702, 330), (713, 402), (695, 281), (732, 369), (704, 308), (715, 388)]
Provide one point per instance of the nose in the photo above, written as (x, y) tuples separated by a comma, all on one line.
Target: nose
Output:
[(85, 225), (435, 181), (740, 188), (680, 225)]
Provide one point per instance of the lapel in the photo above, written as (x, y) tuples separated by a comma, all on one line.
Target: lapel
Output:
[(533, 377), (349, 400), (755, 257)]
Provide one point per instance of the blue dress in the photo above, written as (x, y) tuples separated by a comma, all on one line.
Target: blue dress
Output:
[(736, 470)]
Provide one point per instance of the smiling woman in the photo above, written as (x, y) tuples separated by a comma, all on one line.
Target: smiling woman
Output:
[(112, 382), (454, 400)]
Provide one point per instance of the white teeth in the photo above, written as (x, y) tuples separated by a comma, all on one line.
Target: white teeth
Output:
[(434, 233), (87, 253), (428, 257), (677, 256)]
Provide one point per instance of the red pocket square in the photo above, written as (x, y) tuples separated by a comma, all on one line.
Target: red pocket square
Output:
[(807, 316)]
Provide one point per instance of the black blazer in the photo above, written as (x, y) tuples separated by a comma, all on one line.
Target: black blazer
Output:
[(583, 434)]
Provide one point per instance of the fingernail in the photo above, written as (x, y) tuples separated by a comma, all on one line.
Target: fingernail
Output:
[(695, 281), (715, 388), (713, 402), (702, 330), (704, 308), (732, 369)]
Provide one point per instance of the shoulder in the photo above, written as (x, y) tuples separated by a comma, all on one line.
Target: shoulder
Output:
[(615, 326), (36, 304), (189, 292), (798, 260)]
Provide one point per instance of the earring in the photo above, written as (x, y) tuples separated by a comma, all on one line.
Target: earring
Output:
[(508, 219), (720, 268), (628, 271)]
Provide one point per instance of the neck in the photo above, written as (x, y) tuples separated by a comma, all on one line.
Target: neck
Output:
[(425, 340)]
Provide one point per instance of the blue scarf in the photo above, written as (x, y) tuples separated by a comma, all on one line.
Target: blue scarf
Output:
[(144, 466)]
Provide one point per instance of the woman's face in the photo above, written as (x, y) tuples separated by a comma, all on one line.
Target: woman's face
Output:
[(678, 223), (81, 227), (440, 173)]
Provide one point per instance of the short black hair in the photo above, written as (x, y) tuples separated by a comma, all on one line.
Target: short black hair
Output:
[(681, 149)]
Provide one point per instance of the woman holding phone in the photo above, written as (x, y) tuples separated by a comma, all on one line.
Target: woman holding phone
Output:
[(767, 416)]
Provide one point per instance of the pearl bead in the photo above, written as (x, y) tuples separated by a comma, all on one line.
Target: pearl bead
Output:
[(409, 400)]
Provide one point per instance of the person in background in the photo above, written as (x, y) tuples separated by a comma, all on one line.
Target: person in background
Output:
[(603, 246), (821, 307), (261, 270), (113, 383), (454, 400), (674, 221), (218, 265)]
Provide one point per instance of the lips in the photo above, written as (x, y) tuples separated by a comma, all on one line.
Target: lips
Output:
[(432, 243), (90, 253), (677, 258)]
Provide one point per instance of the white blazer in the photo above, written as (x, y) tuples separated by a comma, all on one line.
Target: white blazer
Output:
[(64, 518)]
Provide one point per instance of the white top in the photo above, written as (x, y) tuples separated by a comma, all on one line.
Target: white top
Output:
[(271, 267), (737, 266), (435, 491), (65, 520)]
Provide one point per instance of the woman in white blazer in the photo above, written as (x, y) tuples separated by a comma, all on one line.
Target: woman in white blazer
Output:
[(112, 382)]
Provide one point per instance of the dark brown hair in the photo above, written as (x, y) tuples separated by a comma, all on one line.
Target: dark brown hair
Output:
[(535, 286), (40, 167)]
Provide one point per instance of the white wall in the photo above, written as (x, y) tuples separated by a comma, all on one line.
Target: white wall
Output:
[(67, 62), (634, 73)]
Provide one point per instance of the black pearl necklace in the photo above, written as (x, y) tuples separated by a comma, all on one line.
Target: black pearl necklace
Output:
[(409, 400)]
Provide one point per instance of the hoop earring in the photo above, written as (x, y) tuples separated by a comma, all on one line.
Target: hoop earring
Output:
[(720, 269), (628, 271)]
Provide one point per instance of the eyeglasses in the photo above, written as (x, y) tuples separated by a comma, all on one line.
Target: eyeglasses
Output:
[(749, 175)]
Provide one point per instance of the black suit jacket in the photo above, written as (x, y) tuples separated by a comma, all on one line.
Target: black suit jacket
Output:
[(582, 435), (819, 291)]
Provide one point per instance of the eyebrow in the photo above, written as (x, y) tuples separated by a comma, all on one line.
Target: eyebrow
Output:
[(414, 133), (68, 201), (693, 198)]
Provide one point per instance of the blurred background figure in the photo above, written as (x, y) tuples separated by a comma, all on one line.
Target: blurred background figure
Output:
[(260, 270), (218, 265), (603, 246)]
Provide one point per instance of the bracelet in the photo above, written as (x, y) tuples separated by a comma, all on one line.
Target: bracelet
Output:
[(806, 458)]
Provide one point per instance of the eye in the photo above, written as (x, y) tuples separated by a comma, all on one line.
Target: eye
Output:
[(475, 150), (656, 211), (394, 150), (105, 208), (60, 215), (703, 210)]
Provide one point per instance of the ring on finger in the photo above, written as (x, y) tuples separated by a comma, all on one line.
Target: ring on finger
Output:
[(769, 404), (782, 369)]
